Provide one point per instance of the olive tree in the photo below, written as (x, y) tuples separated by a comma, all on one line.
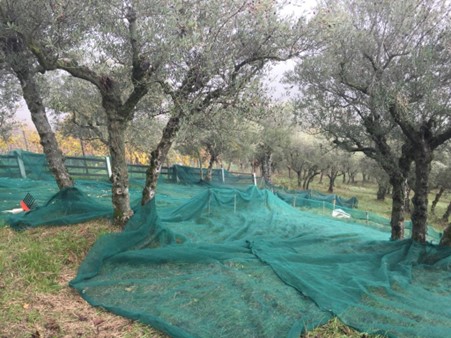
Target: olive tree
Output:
[(17, 60), (195, 52), (272, 138), (81, 115), (440, 175), (222, 47), (295, 157), (221, 130), (335, 163), (304, 156), (379, 83)]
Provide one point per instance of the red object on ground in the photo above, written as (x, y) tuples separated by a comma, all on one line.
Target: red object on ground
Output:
[(24, 206), (28, 203)]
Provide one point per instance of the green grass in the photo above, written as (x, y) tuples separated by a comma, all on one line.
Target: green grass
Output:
[(37, 258), (366, 195), (35, 300)]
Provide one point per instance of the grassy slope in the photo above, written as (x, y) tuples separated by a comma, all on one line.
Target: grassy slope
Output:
[(36, 265), (366, 194)]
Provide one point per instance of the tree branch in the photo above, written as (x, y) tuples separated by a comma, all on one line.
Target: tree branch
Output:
[(345, 81), (141, 68), (373, 63), (354, 149), (90, 127), (441, 138), (403, 123)]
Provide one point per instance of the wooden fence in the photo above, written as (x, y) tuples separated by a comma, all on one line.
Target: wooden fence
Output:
[(20, 164), (14, 165)]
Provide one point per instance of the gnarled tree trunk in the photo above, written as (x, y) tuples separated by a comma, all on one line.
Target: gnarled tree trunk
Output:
[(351, 177), (119, 177), (332, 177), (397, 213), (423, 160), (266, 167), (157, 158), (213, 158), (447, 213), (299, 177), (210, 168), (47, 137), (309, 178), (364, 178), (265, 159)]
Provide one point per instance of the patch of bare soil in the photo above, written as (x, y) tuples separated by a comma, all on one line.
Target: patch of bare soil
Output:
[(62, 314), (66, 314)]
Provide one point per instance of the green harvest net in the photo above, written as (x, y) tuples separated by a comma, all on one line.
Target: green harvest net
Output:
[(244, 263), (215, 261), (188, 175), (300, 196)]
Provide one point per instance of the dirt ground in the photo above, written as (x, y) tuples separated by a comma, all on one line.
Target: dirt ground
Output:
[(66, 314)]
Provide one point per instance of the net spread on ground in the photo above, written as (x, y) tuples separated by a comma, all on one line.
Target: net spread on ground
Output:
[(224, 260)]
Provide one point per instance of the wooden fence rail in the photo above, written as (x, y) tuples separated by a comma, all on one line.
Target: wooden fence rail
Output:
[(20, 164), (81, 167)]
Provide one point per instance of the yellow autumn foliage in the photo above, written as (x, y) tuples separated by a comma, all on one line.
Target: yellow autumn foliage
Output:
[(28, 140)]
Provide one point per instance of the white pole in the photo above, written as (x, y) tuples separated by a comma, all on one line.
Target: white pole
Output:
[(223, 176), (108, 166), (23, 173), (254, 178)]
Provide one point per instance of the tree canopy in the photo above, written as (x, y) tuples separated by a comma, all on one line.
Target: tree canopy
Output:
[(9, 99), (378, 82)]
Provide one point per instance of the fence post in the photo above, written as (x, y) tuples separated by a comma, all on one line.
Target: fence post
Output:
[(21, 165), (108, 166), (25, 139), (254, 177), (223, 175), (209, 201)]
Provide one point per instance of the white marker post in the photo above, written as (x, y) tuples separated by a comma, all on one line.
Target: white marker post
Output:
[(23, 173), (108, 167)]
